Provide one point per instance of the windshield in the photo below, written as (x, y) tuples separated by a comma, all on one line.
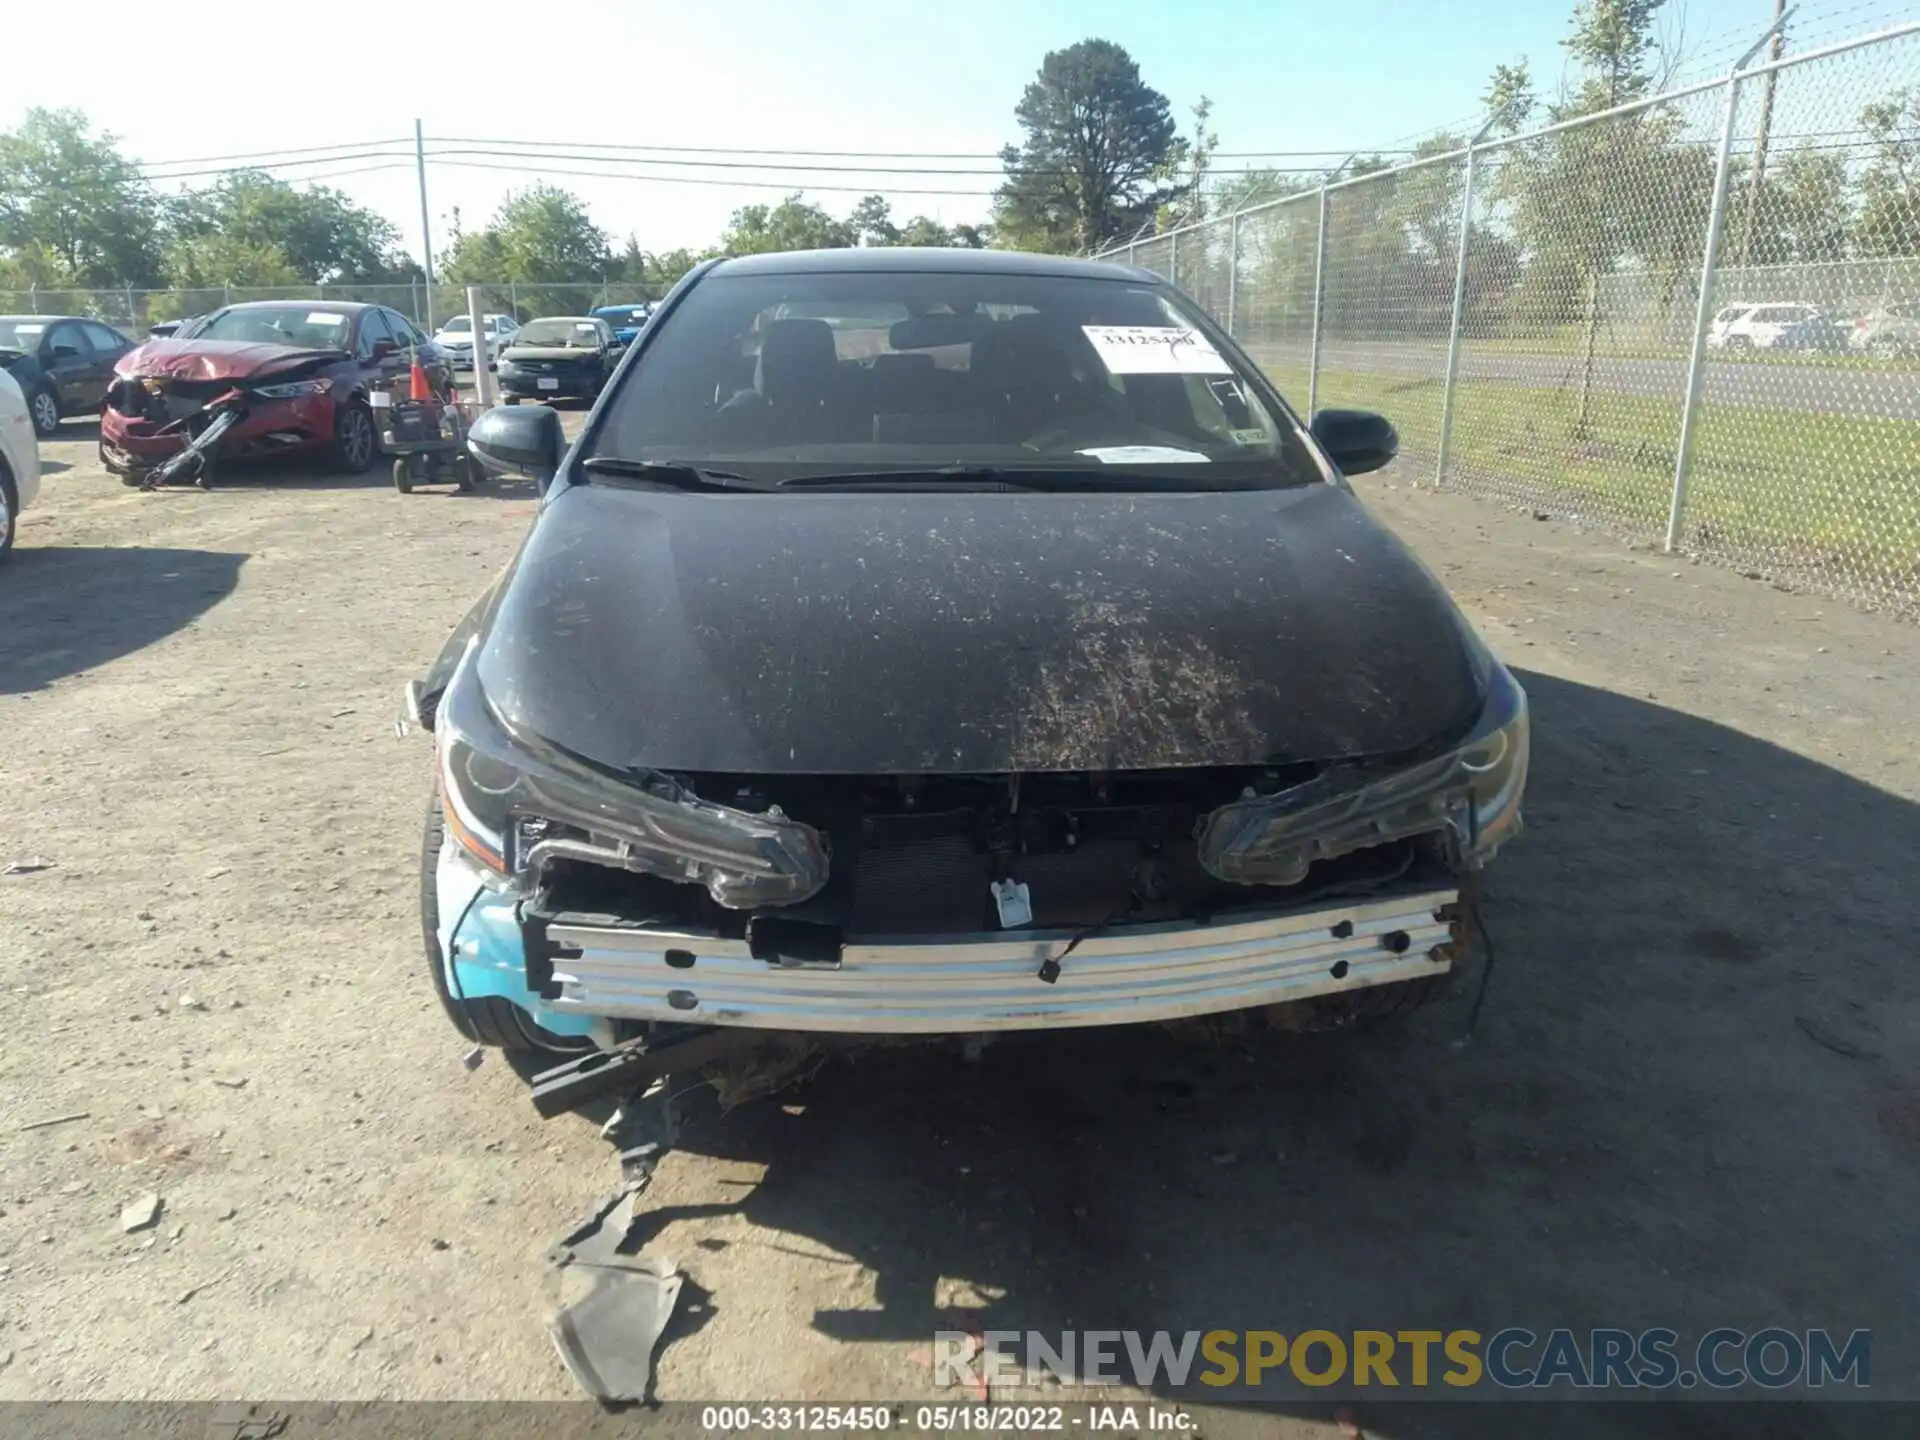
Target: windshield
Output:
[(309, 326), (779, 376), (21, 334), (576, 334), (458, 325)]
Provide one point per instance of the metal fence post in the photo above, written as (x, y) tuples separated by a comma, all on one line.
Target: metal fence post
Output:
[(1459, 306), (1319, 276), (1703, 310), (226, 292), (33, 299), (133, 316), (513, 298), (1173, 256), (1233, 267)]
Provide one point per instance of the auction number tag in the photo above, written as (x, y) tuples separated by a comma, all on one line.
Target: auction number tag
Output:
[(1155, 350)]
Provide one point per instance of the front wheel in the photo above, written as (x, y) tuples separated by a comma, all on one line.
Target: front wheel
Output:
[(9, 512), (44, 409), (402, 475), (353, 439)]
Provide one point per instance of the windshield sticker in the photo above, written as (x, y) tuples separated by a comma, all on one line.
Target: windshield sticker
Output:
[(321, 317), (28, 329), (1155, 350), (1144, 455), (1251, 437), (586, 325)]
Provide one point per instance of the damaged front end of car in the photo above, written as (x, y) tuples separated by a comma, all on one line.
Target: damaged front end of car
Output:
[(172, 413), (607, 903)]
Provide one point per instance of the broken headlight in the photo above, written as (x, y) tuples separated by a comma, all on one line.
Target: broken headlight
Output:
[(1470, 796), (293, 388), (505, 798)]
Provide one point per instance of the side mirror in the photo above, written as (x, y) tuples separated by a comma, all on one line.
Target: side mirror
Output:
[(1356, 440), (524, 440), (64, 352), (384, 349)]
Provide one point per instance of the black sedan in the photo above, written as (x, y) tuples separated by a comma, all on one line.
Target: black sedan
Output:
[(938, 642), (63, 364), (558, 357)]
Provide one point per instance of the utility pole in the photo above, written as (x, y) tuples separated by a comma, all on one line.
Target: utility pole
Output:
[(426, 224), (1760, 136)]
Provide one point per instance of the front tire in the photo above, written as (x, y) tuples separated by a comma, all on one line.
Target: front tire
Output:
[(9, 512), (44, 408), (486, 1019), (354, 442)]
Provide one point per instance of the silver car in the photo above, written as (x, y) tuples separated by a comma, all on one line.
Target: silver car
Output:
[(1888, 329)]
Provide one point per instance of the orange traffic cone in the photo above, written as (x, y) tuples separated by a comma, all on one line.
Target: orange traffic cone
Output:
[(419, 386)]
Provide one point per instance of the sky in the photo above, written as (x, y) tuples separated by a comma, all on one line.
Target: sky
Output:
[(860, 76)]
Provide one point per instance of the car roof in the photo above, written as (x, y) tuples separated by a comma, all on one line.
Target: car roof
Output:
[(49, 319), (941, 260), (345, 307), (538, 318)]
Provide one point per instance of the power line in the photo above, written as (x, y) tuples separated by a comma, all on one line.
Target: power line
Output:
[(258, 154), (788, 185), (284, 165), (813, 154)]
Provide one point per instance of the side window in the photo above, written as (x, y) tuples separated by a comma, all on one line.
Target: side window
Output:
[(65, 336), (106, 340), (404, 330), (373, 329)]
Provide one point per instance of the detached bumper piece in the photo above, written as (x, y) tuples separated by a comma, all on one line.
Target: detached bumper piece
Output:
[(967, 983)]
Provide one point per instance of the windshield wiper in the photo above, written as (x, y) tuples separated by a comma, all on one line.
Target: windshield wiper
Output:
[(675, 473)]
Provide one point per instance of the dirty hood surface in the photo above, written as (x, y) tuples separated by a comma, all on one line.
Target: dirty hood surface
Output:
[(851, 633), (218, 359)]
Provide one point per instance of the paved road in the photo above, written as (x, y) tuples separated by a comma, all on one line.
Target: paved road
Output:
[(1889, 394)]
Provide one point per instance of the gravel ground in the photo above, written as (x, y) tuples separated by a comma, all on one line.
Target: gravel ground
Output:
[(1693, 1099)]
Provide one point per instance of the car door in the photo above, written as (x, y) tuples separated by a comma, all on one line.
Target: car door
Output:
[(108, 346), (382, 361), (439, 365), (68, 361)]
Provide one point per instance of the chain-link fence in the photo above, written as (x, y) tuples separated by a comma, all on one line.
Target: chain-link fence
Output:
[(134, 310), (1695, 317)]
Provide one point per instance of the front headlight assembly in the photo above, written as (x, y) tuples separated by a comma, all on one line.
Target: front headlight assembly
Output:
[(1470, 796), (511, 804)]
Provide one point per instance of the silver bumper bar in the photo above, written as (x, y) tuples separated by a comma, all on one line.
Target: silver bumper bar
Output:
[(967, 983)]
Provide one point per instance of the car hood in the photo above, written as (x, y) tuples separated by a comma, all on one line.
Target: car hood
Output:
[(969, 633), (217, 359)]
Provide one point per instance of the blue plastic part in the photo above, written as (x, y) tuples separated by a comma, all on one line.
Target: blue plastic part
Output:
[(488, 959)]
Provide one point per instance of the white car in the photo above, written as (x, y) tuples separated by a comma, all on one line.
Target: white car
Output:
[(1747, 326), (19, 460), (456, 338)]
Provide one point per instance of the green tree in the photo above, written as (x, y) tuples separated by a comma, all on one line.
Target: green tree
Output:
[(212, 260), (1093, 162), (539, 234), (793, 224), (872, 222), (1889, 219), (1585, 197), (1185, 171), (322, 235), (70, 197)]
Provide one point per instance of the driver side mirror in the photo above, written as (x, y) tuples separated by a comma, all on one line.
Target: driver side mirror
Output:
[(384, 350), (1356, 440), (65, 352), (522, 440)]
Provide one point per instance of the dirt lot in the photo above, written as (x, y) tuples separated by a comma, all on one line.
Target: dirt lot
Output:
[(1694, 1098)]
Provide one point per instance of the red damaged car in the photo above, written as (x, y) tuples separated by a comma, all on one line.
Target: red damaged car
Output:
[(303, 369)]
